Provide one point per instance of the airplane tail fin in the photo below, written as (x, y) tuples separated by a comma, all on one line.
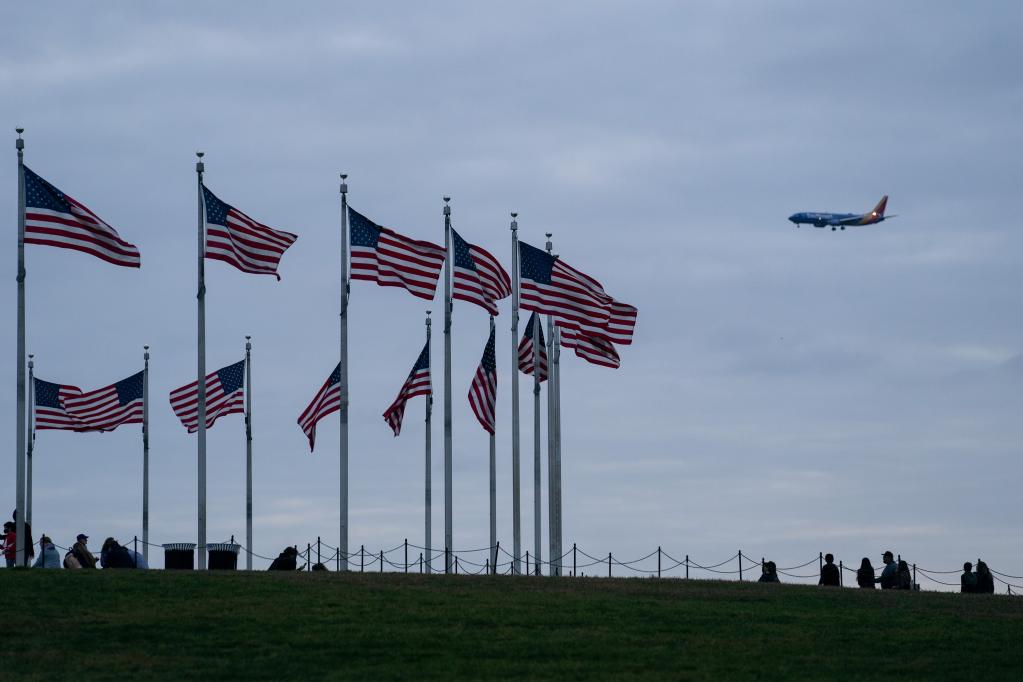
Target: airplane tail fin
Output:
[(878, 211)]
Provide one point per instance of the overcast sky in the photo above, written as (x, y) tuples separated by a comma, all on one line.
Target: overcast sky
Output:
[(789, 390)]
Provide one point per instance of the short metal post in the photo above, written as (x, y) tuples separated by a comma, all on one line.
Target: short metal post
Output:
[(135, 559), (447, 559), (362, 558), (456, 564), (381, 561), (308, 556), (488, 565), (841, 570), (527, 562), (574, 572), (820, 562), (914, 576), (658, 561), (406, 555), (318, 558), (609, 564), (687, 567), (420, 563), (338, 556), (497, 554), (740, 565)]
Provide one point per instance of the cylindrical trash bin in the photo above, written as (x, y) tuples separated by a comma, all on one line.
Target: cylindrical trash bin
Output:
[(223, 556), (179, 555)]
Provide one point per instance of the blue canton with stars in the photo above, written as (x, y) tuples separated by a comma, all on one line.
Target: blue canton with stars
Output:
[(489, 361), (47, 394), (232, 377), (362, 230), (335, 376), (423, 362), (41, 194), (216, 210), (463, 259), (129, 390), (535, 264)]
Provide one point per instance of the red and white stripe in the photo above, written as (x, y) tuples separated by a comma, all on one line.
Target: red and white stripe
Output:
[(326, 401), (483, 390), (398, 261), (418, 383), (526, 358), (185, 402), (55, 418), (81, 230), (246, 244), (595, 350), (101, 410), (486, 286)]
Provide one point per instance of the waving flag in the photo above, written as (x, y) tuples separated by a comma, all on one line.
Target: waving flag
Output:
[(526, 348), (326, 401), (574, 299), (225, 393), (51, 406), (52, 218), (477, 276), (107, 408), (483, 391), (593, 349), (235, 238), (418, 383), (392, 260)]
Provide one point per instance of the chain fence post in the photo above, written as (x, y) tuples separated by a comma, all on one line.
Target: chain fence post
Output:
[(319, 559), (456, 564), (420, 563), (841, 570), (406, 555), (609, 564), (308, 556), (362, 558), (820, 562), (527, 563), (740, 565), (914, 575), (488, 566), (381, 561), (338, 556), (135, 559), (575, 573), (687, 567), (658, 561)]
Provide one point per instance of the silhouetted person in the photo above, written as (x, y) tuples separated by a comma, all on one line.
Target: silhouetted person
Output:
[(49, 557), (113, 555), (286, 561), (30, 550), (80, 551), (968, 580), (985, 581), (905, 578), (768, 573), (890, 575), (865, 575), (829, 572), (319, 567)]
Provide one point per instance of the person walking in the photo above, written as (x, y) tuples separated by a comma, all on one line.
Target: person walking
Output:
[(865, 575), (829, 572)]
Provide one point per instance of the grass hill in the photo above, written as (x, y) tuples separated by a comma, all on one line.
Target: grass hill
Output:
[(163, 624)]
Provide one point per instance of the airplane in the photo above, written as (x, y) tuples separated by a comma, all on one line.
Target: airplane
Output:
[(841, 220)]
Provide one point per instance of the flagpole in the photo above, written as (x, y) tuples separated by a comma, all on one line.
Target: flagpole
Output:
[(448, 505), (31, 440), (429, 457), (201, 370), (516, 511), (248, 453), (19, 483), (493, 483), (343, 412), (145, 455), (537, 450), (551, 392), (556, 370)]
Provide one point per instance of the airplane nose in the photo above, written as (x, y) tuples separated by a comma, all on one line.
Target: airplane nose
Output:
[(792, 218)]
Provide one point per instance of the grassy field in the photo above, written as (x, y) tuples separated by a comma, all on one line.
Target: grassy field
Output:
[(160, 624)]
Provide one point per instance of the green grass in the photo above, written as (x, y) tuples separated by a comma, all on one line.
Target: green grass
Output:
[(368, 626)]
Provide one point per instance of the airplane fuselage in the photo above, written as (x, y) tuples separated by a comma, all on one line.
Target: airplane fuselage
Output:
[(841, 220)]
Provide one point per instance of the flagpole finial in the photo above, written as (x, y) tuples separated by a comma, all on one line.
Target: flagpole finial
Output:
[(447, 208), (428, 320), (19, 143), (549, 244), (31, 364), (248, 342), (514, 222), (199, 165), (344, 183)]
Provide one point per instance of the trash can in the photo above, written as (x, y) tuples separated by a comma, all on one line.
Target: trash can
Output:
[(223, 556), (179, 555)]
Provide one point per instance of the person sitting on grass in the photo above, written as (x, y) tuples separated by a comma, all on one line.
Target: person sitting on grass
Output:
[(968, 580), (49, 557), (905, 578), (865, 575), (80, 551), (768, 573), (113, 555), (890, 575), (286, 561), (829, 572), (985, 581)]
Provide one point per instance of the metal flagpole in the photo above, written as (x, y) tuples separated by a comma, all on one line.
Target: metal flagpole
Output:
[(551, 389), (429, 458), (343, 412), (19, 483), (493, 483), (201, 369), (145, 455), (556, 481), (450, 259), (31, 440), (248, 453), (516, 511), (537, 450)]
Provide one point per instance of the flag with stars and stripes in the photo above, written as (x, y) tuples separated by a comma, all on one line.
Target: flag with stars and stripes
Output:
[(483, 391), (575, 300), (235, 238), (477, 276), (51, 406), (52, 218), (526, 358), (418, 383), (593, 349), (107, 408), (326, 401), (225, 394), (383, 256)]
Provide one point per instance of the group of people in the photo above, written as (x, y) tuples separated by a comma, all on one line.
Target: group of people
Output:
[(78, 556), (895, 575)]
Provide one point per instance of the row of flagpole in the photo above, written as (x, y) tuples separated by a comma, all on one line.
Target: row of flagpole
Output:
[(25, 422)]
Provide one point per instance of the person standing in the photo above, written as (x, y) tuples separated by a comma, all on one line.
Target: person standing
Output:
[(9, 544), (890, 575), (865, 575), (968, 580), (829, 572), (985, 581), (30, 550)]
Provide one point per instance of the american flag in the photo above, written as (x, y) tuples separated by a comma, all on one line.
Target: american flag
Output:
[(392, 260), (418, 383), (593, 349), (51, 406), (483, 391), (235, 238), (477, 276), (52, 218), (327, 401), (574, 299), (107, 408), (526, 348), (225, 391)]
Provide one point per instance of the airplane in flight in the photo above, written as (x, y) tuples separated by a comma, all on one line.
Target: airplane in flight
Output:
[(841, 220)]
